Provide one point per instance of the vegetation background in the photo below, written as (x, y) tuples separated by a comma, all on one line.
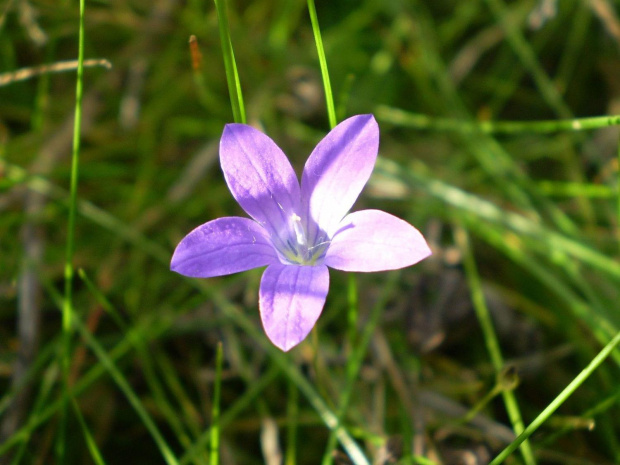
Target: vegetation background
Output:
[(480, 150)]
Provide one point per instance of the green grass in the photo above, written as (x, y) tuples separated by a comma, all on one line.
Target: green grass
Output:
[(499, 141)]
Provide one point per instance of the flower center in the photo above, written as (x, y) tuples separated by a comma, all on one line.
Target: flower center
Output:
[(297, 250)]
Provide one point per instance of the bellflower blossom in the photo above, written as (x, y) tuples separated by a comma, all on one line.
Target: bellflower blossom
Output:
[(298, 231)]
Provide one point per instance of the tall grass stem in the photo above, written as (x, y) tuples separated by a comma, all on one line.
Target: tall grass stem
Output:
[(230, 65), (67, 307), (559, 400), (292, 413), (419, 121), (121, 381), (214, 455), (490, 339), (329, 97), (355, 359), (352, 302)]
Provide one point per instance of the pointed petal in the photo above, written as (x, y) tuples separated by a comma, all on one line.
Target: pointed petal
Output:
[(337, 171), (291, 300), (259, 176), (223, 246), (372, 240)]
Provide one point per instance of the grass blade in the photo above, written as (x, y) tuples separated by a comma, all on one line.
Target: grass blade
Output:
[(490, 338), (232, 75), (329, 97), (129, 393), (67, 307), (214, 456), (95, 453), (559, 400)]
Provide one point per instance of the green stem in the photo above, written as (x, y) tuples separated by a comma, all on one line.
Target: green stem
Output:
[(95, 453), (232, 75), (528, 58), (355, 359), (352, 311), (249, 398), (215, 410), (419, 121), (132, 397), (292, 415), (490, 339), (559, 400), (67, 308), (329, 97)]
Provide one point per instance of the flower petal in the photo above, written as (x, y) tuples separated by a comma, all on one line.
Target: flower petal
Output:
[(259, 176), (291, 299), (223, 246), (337, 171), (372, 240)]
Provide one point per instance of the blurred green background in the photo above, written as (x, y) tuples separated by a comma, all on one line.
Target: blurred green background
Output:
[(538, 201)]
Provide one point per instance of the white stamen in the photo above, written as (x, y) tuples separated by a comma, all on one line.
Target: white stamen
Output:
[(320, 244), (299, 232)]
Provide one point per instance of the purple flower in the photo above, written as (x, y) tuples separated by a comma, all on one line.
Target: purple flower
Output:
[(297, 232)]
